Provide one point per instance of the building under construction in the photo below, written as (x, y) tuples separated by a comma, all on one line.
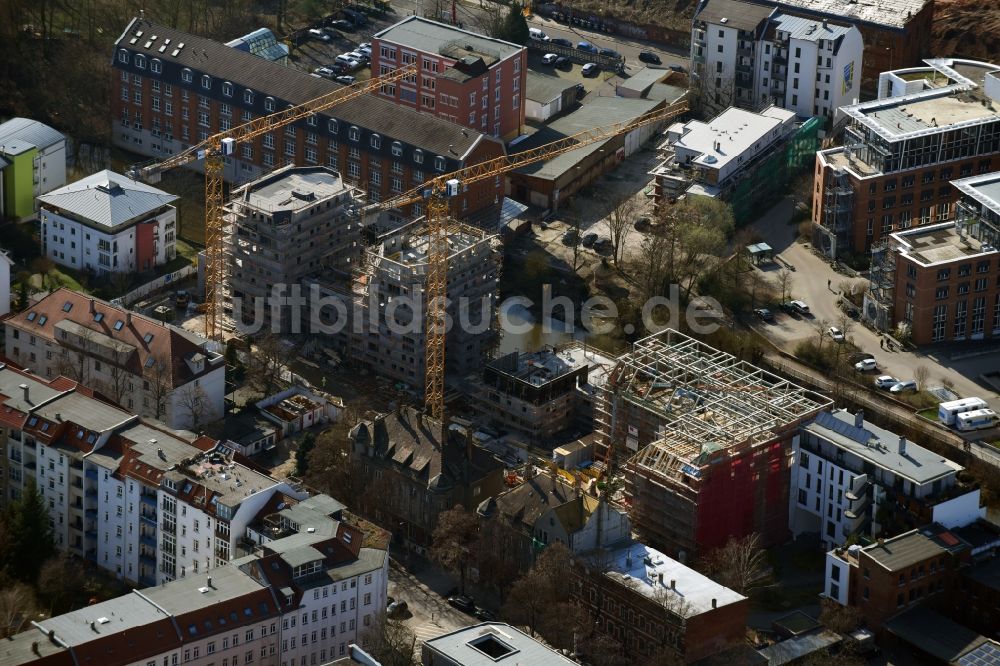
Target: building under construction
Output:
[(705, 442), (390, 306)]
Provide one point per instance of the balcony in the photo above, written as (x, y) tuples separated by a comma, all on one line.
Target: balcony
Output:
[(91, 555), (147, 558), (148, 519), (745, 51), (147, 540), (700, 59), (147, 580), (148, 500), (90, 513), (91, 492), (91, 474), (779, 59), (90, 533)]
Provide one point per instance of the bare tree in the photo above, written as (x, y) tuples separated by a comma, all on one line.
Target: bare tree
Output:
[(265, 362), (820, 326), (118, 382), (157, 383), (739, 565), (921, 374), (785, 284), (389, 641), (17, 604), (454, 541), (491, 19), (193, 400), (651, 265), (620, 218), (842, 619)]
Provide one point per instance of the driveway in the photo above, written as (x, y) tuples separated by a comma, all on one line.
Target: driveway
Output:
[(816, 282)]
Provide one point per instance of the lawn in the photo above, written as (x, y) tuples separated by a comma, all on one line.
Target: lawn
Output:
[(931, 414)]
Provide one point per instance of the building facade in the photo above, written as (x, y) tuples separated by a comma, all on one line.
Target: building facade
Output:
[(146, 366), (942, 282), (108, 223), (177, 89), (852, 479), (32, 162), (931, 125), (749, 55), (462, 76)]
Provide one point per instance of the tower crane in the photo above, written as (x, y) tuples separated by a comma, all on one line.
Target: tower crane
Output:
[(216, 147), (438, 192)]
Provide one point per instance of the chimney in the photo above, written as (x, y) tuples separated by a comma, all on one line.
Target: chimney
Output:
[(92, 308), (58, 417), (24, 388), (209, 581), (902, 446), (859, 419), (128, 318), (881, 542), (715, 604), (673, 583)]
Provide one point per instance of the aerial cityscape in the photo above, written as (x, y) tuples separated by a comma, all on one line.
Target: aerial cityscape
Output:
[(500, 332)]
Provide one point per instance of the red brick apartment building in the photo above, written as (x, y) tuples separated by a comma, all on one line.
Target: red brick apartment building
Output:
[(929, 125), (464, 77), (943, 281), (175, 89)]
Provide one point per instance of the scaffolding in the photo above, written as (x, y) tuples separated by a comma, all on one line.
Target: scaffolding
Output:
[(879, 301)]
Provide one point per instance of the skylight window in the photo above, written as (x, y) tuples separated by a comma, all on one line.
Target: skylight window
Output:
[(33, 420), (98, 316), (193, 630), (45, 427), (67, 306), (42, 320), (119, 325), (147, 338), (150, 361), (32, 315)]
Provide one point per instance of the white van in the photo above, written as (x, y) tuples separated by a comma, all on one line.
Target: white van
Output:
[(948, 411), (980, 419), (535, 33)]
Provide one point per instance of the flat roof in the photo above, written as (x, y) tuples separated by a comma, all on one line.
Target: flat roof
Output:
[(544, 88), (108, 199), (903, 551), (654, 575), (735, 132), (939, 244), (84, 411), (230, 480), (734, 14), (881, 447), (984, 188), (429, 36), (292, 188), (808, 28), (644, 78), (792, 649), (889, 13), (492, 643), (545, 365), (459, 240)]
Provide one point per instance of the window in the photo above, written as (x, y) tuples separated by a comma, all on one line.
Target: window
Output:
[(354, 133), (269, 103), (439, 163), (206, 81), (376, 141), (123, 56), (156, 66), (227, 89), (418, 156), (186, 75), (248, 97)]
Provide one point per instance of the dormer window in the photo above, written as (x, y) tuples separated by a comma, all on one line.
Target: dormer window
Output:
[(156, 66), (186, 75), (269, 104), (140, 61), (248, 96), (439, 163), (227, 89), (206, 81), (119, 325), (123, 56), (354, 134), (418, 156), (376, 141), (332, 126)]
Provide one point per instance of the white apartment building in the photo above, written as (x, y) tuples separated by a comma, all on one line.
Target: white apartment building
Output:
[(850, 477), (299, 600), (146, 366), (749, 55), (108, 223)]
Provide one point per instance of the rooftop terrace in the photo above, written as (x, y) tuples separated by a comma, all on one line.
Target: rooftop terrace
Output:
[(939, 244)]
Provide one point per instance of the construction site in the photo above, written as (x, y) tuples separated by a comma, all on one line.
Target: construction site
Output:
[(702, 441)]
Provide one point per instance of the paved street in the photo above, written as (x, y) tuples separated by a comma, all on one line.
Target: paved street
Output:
[(429, 614), (809, 283)]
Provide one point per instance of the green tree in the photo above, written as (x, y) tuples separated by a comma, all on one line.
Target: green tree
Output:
[(306, 445), (515, 28), (29, 535)]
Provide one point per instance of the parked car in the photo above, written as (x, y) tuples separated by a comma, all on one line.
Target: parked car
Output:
[(650, 58), (346, 79), (611, 53), (562, 62), (464, 603), (561, 42), (347, 61), (588, 240), (396, 608), (903, 387), (182, 299), (603, 246), (535, 33), (586, 46), (677, 68), (764, 315), (324, 71), (836, 334), (787, 307), (316, 33), (365, 47), (549, 59), (642, 224), (571, 237), (885, 382), (866, 365), (334, 34), (357, 55), (590, 69), (581, 92), (484, 615), (800, 307), (342, 25)]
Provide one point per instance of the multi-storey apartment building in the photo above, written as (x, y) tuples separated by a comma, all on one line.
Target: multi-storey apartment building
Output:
[(896, 33), (464, 77), (145, 503), (417, 469), (540, 395), (748, 55), (693, 481), (146, 366), (283, 227), (930, 125), (851, 478), (175, 89), (300, 599), (942, 282), (32, 162), (108, 223)]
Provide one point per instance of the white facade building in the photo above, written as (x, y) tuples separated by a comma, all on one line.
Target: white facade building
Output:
[(748, 55), (108, 223), (848, 472)]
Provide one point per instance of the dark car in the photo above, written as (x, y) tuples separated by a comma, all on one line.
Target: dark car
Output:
[(484, 615), (588, 240), (764, 314), (562, 62), (580, 91), (586, 46), (396, 608), (603, 246), (650, 58), (342, 25), (642, 224), (571, 237), (677, 68), (561, 42), (464, 603), (611, 53)]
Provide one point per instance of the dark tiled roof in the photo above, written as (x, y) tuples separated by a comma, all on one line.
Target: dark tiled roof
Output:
[(739, 15), (294, 86), (527, 502)]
